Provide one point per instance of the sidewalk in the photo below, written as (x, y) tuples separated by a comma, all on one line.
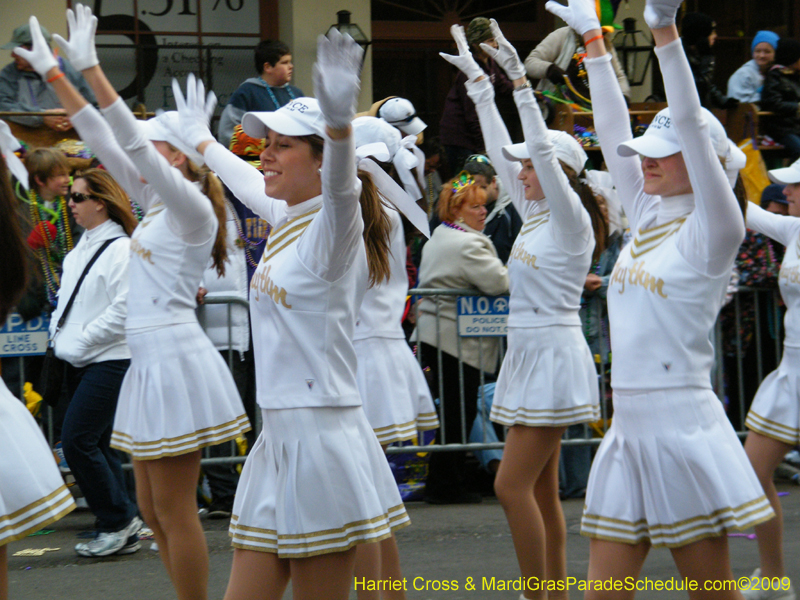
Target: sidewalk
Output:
[(444, 543)]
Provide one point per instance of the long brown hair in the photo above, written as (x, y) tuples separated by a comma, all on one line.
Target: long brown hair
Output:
[(104, 188), (212, 188), (13, 272), (590, 203), (377, 225)]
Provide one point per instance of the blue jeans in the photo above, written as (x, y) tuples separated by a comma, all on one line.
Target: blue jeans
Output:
[(481, 424), (86, 435), (575, 463)]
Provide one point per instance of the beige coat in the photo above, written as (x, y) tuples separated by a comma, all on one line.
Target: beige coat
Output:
[(558, 47), (455, 259)]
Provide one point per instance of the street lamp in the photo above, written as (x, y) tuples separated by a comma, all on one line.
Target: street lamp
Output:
[(635, 51), (344, 25)]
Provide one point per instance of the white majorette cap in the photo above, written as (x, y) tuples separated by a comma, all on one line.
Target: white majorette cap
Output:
[(401, 113), (302, 116), (567, 149), (160, 128), (790, 174), (371, 130), (660, 140)]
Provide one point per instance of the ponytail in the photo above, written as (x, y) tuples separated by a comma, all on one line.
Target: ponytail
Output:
[(212, 188), (589, 201), (377, 230)]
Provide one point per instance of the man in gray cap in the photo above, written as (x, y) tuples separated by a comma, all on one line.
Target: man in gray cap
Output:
[(22, 90)]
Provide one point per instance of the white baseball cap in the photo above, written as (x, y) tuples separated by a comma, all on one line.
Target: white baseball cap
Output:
[(660, 140), (790, 174), (401, 113), (567, 149), (302, 116), (372, 130), (160, 128)]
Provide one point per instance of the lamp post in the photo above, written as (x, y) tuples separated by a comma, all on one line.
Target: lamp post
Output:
[(635, 51), (344, 25)]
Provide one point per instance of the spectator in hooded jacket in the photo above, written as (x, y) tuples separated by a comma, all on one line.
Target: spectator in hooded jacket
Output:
[(781, 96), (746, 83), (698, 34)]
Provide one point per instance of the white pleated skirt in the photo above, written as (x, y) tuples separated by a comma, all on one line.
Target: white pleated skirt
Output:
[(547, 379), (671, 470), (315, 482), (775, 411), (32, 492), (178, 395), (395, 395)]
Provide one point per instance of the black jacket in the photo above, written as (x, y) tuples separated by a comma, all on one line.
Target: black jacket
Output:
[(781, 95), (702, 65)]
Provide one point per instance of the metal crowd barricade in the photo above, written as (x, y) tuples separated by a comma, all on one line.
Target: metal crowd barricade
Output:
[(764, 302)]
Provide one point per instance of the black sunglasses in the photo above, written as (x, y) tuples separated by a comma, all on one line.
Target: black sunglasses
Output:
[(77, 197)]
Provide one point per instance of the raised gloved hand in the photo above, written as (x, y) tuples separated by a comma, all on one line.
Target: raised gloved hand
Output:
[(463, 61), (661, 13), (42, 235), (505, 54), (555, 74), (40, 57), (194, 112), (580, 15), (80, 48), (337, 78)]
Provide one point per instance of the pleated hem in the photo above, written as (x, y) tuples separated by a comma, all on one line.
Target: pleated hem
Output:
[(771, 429), (586, 413), (36, 515), (679, 533), (304, 545), (184, 444)]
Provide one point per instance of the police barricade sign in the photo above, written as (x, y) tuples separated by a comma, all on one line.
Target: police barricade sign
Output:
[(18, 338), (482, 316)]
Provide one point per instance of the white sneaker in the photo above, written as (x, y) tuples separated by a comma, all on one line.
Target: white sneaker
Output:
[(760, 594), (110, 542)]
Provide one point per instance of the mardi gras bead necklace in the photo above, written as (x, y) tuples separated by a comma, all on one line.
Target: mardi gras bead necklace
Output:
[(452, 226)]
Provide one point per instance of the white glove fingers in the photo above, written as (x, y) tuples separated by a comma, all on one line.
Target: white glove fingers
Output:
[(180, 103), (490, 50), (556, 8), (71, 24), (36, 34), (62, 43), (211, 104)]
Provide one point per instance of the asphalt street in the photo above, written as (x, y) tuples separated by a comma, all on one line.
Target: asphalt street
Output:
[(468, 545)]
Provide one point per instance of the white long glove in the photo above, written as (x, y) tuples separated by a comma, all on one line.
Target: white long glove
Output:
[(661, 13), (337, 78), (463, 61), (505, 54), (580, 15), (39, 56), (80, 48), (194, 112), (8, 143)]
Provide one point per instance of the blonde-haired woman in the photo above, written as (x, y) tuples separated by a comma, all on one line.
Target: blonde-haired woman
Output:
[(91, 340), (548, 379), (316, 482), (178, 396), (460, 256)]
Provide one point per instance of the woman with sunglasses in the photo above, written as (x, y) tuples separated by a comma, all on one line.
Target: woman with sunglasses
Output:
[(547, 381), (178, 395), (670, 471), (92, 342), (316, 482)]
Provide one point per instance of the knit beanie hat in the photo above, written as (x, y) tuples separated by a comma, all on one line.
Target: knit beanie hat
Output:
[(765, 36)]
